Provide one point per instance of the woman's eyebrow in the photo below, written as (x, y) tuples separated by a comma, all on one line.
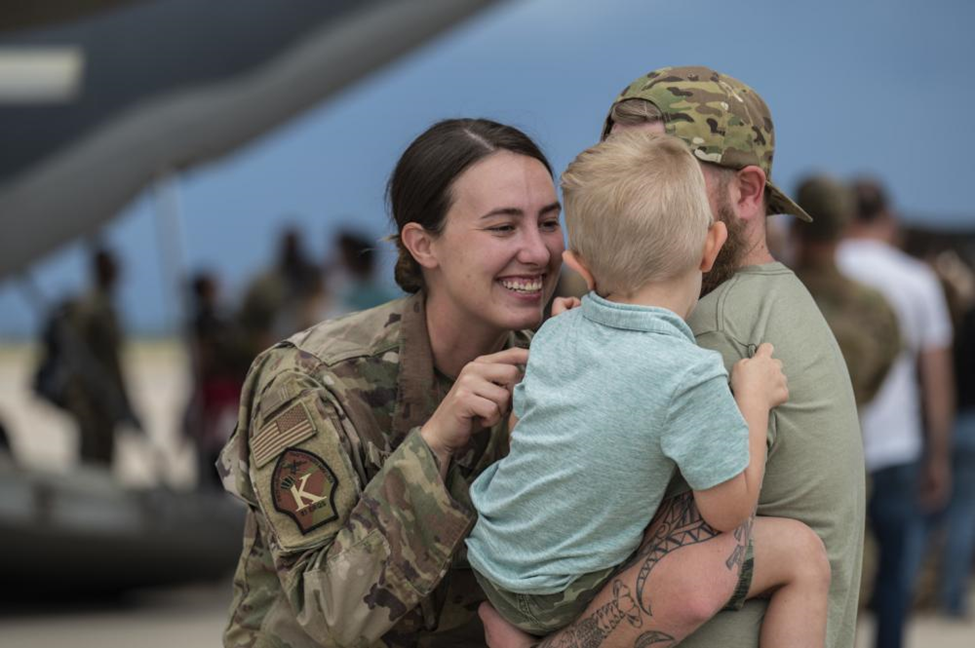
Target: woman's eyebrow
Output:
[(554, 207), (514, 211), (504, 211)]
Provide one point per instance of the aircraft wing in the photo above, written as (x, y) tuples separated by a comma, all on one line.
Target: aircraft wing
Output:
[(137, 89)]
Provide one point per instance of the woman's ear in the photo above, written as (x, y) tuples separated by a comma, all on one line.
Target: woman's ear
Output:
[(713, 242), (419, 243), (575, 263)]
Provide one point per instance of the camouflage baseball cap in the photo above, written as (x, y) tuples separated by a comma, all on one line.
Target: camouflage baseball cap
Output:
[(721, 119)]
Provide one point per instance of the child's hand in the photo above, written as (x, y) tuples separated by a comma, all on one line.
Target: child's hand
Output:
[(562, 304), (760, 377)]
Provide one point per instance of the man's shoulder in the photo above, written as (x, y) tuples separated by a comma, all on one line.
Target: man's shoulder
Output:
[(746, 297)]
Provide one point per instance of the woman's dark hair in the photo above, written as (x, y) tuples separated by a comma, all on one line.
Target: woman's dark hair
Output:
[(419, 190)]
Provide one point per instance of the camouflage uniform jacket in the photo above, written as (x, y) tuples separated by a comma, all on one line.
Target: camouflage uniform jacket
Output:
[(352, 538), (863, 323)]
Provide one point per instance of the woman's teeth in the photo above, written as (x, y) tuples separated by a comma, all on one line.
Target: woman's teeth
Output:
[(523, 285)]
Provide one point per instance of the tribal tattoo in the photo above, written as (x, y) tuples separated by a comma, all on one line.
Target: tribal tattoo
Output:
[(742, 535), (676, 525), (591, 631), (680, 525), (654, 638)]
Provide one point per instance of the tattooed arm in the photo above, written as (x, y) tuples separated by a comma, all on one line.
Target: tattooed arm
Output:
[(684, 572)]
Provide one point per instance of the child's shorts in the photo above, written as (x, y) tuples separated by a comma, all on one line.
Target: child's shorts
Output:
[(542, 614)]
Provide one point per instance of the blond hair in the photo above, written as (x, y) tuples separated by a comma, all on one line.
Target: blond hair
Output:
[(636, 210)]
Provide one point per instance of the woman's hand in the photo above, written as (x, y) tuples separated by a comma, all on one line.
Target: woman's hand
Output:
[(481, 396)]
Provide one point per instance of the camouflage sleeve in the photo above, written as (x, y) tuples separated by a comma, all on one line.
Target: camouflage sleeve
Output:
[(352, 556)]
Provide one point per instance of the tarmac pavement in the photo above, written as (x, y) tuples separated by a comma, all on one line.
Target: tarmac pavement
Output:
[(194, 617)]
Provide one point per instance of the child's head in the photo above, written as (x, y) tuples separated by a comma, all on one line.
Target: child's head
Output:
[(636, 211)]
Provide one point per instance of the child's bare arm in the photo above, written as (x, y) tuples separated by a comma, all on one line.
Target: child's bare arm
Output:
[(759, 385)]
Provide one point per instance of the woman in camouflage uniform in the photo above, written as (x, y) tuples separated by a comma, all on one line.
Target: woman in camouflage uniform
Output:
[(357, 438)]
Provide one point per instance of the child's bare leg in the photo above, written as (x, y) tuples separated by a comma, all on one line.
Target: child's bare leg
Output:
[(791, 564)]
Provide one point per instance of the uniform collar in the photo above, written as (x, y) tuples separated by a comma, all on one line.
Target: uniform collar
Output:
[(417, 396), (632, 317)]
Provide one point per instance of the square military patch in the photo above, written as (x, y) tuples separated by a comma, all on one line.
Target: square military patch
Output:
[(288, 428)]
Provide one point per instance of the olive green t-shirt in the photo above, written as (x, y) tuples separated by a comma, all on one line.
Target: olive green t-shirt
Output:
[(815, 470)]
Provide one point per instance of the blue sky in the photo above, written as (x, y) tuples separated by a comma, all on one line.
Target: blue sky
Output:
[(882, 87)]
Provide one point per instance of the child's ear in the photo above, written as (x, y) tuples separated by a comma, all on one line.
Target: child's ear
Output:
[(577, 264), (713, 242)]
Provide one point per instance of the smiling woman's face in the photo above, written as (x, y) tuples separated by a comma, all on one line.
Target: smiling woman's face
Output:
[(499, 254)]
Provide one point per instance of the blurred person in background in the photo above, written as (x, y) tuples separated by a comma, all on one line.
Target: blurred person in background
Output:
[(906, 427), (353, 280), (958, 520), (862, 321), (278, 301), (95, 388), (219, 364), (956, 572), (359, 437)]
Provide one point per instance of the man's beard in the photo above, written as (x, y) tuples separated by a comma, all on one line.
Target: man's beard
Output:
[(729, 258)]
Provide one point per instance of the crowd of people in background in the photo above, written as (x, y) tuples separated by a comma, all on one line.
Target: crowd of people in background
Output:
[(904, 325), (80, 367), (290, 296)]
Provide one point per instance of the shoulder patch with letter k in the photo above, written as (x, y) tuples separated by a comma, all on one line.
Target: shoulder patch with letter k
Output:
[(303, 488)]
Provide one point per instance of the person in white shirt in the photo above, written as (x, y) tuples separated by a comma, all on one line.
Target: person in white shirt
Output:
[(906, 427)]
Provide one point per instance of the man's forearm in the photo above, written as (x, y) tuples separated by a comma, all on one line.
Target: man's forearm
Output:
[(937, 385), (938, 396)]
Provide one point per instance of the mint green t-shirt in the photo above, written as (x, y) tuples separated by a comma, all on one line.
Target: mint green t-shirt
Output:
[(615, 396), (815, 470)]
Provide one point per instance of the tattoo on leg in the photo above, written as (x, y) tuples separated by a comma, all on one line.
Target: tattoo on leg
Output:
[(742, 535), (680, 525), (591, 631), (677, 525), (653, 638)]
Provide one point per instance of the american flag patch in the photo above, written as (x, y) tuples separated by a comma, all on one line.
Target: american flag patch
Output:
[(288, 428)]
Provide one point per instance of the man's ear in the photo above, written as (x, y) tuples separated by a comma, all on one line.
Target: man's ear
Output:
[(419, 242), (713, 242), (751, 191), (577, 264)]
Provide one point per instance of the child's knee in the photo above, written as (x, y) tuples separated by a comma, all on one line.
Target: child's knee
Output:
[(693, 589), (811, 566), (702, 603), (712, 589)]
